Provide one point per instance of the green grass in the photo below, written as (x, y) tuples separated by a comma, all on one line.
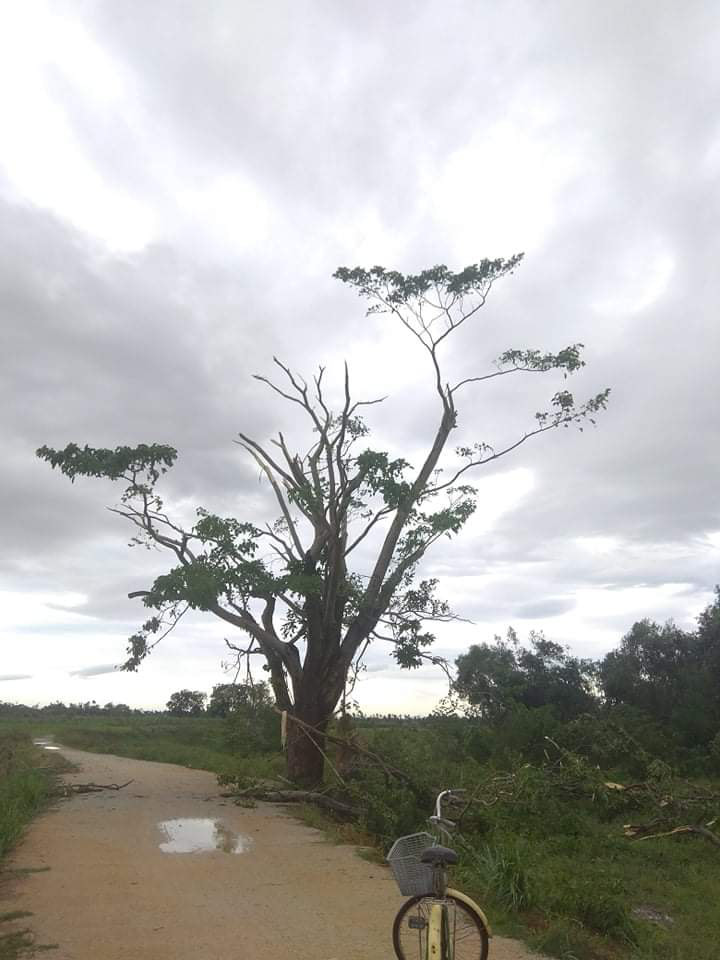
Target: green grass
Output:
[(336, 832), (202, 743), (19, 942), (27, 777), (172, 740), (557, 869), (15, 944), (573, 896)]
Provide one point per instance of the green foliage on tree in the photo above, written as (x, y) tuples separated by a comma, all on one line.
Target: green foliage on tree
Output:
[(248, 708), (187, 703), (656, 695), (293, 588), (497, 678), (245, 698), (670, 675)]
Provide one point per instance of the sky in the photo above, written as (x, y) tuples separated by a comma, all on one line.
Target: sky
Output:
[(178, 183)]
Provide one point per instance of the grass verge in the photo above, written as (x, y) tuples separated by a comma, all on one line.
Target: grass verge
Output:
[(27, 777), (202, 743)]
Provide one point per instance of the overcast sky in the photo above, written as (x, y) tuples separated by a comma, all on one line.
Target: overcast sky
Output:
[(180, 179)]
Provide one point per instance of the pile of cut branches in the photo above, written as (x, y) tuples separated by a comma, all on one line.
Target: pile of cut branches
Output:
[(340, 797), (697, 806), (672, 806)]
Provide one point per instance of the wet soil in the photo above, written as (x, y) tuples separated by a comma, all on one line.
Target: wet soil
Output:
[(168, 870)]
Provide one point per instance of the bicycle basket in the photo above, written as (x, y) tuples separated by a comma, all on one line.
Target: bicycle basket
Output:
[(412, 877)]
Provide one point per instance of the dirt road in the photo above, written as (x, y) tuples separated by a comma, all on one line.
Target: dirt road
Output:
[(127, 877)]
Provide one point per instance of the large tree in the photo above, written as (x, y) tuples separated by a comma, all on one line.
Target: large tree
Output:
[(495, 678), (670, 674), (186, 703), (246, 698), (289, 586)]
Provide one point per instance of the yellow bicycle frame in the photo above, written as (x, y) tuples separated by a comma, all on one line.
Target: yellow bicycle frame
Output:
[(435, 923), (434, 940)]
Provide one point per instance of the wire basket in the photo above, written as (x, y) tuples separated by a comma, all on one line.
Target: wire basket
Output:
[(412, 877)]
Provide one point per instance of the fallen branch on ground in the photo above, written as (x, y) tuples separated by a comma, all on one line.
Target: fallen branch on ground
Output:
[(273, 795), (68, 789), (639, 831), (389, 770)]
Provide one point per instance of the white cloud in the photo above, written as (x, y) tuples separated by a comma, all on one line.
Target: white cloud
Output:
[(39, 152), (229, 214), (502, 190), (38, 610), (95, 671), (598, 546), (637, 279)]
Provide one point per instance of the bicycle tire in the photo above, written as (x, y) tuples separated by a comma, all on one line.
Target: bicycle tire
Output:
[(471, 938)]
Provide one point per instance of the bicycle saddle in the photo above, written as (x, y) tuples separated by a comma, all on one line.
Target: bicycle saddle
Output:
[(438, 856)]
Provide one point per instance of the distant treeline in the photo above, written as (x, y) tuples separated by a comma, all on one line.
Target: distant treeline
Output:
[(661, 684), (88, 708)]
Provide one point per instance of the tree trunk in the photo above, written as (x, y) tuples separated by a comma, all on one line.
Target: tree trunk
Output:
[(316, 697), (305, 762)]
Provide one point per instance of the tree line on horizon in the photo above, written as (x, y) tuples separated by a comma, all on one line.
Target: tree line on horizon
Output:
[(661, 684)]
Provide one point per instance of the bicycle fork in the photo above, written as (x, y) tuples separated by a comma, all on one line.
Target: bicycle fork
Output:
[(439, 942)]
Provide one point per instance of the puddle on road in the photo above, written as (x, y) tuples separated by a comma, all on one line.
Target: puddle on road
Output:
[(201, 835)]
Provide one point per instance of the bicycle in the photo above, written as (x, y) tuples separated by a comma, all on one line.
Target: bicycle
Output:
[(437, 922)]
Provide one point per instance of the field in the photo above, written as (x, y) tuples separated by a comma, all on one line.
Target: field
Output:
[(550, 862), (202, 742)]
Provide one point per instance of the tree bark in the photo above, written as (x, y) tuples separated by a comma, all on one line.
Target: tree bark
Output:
[(305, 762), (315, 700)]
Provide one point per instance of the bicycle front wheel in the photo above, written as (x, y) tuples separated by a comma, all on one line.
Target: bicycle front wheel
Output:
[(466, 930)]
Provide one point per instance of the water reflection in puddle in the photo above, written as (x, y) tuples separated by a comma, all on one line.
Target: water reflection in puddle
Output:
[(200, 835)]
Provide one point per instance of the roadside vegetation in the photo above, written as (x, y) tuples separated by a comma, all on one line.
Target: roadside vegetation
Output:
[(28, 775), (204, 743), (592, 822), (543, 843)]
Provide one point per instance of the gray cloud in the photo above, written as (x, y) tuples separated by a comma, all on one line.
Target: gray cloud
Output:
[(96, 671), (16, 676), (549, 607), (343, 125)]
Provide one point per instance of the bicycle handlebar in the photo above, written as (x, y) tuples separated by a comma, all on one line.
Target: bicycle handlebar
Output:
[(438, 817)]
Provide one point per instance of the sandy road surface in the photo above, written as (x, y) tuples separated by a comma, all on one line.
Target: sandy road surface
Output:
[(112, 892)]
